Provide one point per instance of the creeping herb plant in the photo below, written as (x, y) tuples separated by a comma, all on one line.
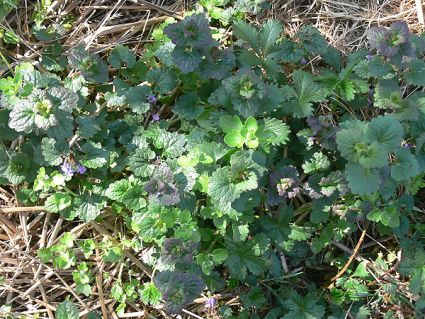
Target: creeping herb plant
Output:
[(227, 161)]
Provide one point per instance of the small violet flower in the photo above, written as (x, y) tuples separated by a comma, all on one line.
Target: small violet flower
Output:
[(155, 117), (66, 168), (303, 61), (210, 303), (151, 99), (407, 145), (80, 169), (369, 57)]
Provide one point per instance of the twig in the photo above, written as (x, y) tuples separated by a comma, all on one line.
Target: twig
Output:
[(29, 209), (353, 255), (284, 263), (192, 314), (420, 11), (100, 289)]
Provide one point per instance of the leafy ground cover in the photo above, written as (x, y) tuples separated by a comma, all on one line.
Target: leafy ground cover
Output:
[(228, 171)]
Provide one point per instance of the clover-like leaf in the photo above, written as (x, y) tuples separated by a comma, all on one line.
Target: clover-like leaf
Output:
[(128, 192), (65, 98), (404, 166), (51, 154), (136, 98), (362, 181), (89, 207), (57, 202), (95, 155), (385, 130), (139, 162), (188, 106), (67, 310), (22, 117), (122, 55), (389, 216)]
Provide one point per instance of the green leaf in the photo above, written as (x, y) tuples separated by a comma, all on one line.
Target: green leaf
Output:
[(404, 166), (312, 40), (307, 93), (95, 156), (136, 98), (127, 192), (389, 216), (17, 168), (188, 106), (220, 186), (89, 207), (248, 33), (416, 75), (65, 98), (230, 123), (254, 298), (388, 94), (304, 307), (385, 130), (219, 255), (278, 228), (9, 36), (319, 162), (269, 34), (65, 129), (361, 271), (67, 310), (377, 68), (374, 156), (244, 257), (139, 162), (22, 117), (173, 144), (162, 80), (362, 181), (88, 127), (117, 292), (112, 255), (350, 140), (273, 131), (50, 153), (414, 266), (149, 294), (58, 202), (347, 89), (187, 60), (122, 56), (234, 139)]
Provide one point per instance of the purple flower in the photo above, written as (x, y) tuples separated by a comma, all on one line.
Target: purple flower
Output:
[(407, 145), (303, 61), (369, 57), (151, 99), (66, 168), (155, 117), (210, 303), (80, 169)]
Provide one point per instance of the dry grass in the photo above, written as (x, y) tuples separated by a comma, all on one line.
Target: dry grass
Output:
[(98, 24), (34, 288), (344, 22)]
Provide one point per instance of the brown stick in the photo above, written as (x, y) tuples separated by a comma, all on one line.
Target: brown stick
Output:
[(353, 255), (28, 209), (99, 285)]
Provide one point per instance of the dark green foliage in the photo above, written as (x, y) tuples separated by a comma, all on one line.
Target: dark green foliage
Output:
[(227, 165)]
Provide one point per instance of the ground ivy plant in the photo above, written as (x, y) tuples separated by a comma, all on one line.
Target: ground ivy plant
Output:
[(229, 162)]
